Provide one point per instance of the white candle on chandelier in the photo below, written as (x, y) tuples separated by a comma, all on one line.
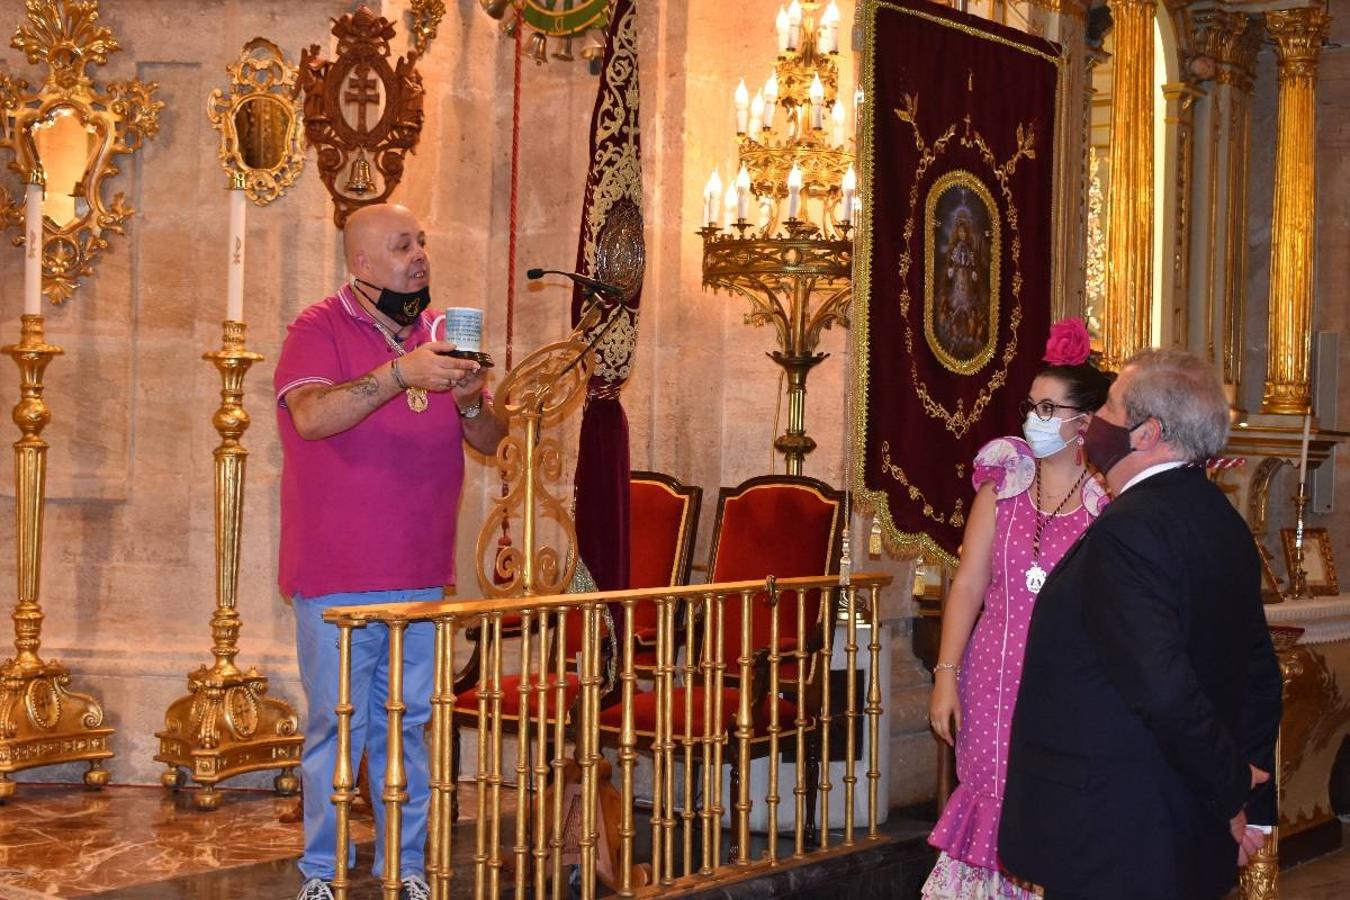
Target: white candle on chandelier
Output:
[(794, 191), (817, 102), (711, 194), (794, 17), (742, 100), (729, 206), (32, 251), (234, 280), (781, 26), (850, 187), (743, 195), (757, 114), (838, 118), (770, 98), (829, 29)]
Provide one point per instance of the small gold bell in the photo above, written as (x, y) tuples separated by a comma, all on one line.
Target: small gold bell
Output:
[(495, 8), (538, 48), (360, 181), (565, 54), (509, 26)]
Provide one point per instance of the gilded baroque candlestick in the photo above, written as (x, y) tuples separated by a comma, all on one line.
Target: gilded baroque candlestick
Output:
[(42, 721), (1298, 577), (227, 725)]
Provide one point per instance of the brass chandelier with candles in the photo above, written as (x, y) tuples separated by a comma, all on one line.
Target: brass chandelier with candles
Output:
[(781, 233)]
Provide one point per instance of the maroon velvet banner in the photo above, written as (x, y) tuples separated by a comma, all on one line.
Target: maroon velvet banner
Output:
[(952, 303), (611, 250)]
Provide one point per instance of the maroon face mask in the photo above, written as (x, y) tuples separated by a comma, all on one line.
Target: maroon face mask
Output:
[(1105, 444)]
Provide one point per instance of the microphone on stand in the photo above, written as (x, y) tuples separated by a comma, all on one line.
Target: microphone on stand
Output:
[(593, 286)]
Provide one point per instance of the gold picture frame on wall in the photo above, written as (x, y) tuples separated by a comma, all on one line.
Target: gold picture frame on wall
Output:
[(71, 131), (262, 133), (1318, 562)]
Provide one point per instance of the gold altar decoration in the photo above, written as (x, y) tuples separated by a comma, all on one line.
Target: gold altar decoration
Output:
[(72, 130), (426, 18), (1298, 36), (1129, 282), (227, 725), (259, 120), (566, 21), (795, 269), (361, 114), (541, 386), (42, 721)]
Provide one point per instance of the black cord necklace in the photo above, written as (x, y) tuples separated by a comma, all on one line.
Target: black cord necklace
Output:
[(1035, 574)]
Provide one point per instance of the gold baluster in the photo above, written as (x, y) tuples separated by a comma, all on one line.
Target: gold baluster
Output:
[(687, 682), (851, 739), (711, 773), (541, 763), (436, 830), (522, 848), (827, 614), (799, 788), (668, 744), (480, 856), (658, 761), (443, 749), (395, 778), (495, 764), (772, 799), (342, 772), (719, 678), (873, 712), (627, 753), (743, 733), (559, 761), (586, 750)]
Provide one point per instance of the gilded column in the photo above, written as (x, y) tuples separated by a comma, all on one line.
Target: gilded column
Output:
[(1226, 45), (1129, 280), (1064, 21), (1298, 35)]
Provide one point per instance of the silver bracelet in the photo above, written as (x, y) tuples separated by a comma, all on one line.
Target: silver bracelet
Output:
[(473, 411), (398, 376)]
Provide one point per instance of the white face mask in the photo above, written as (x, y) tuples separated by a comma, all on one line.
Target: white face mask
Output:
[(1044, 437)]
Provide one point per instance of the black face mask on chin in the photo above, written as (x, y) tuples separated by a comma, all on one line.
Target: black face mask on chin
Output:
[(402, 306)]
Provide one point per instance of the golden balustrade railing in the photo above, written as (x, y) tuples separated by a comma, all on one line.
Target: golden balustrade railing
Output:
[(742, 673)]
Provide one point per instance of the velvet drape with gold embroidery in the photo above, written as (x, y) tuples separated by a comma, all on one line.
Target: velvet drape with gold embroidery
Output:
[(611, 250), (952, 301)]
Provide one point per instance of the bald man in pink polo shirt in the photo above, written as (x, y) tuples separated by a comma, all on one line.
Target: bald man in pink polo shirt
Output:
[(372, 422)]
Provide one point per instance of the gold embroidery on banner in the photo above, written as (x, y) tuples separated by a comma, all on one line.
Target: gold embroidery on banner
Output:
[(956, 519), (870, 501), (971, 267)]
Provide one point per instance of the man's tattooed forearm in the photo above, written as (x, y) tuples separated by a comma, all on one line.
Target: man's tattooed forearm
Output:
[(365, 386)]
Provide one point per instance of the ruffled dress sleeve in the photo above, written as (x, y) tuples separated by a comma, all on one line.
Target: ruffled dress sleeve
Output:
[(1095, 497), (1008, 463)]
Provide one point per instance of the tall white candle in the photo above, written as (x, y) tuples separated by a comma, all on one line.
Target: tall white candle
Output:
[(817, 92), (742, 101), (712, 194), (781, 26), (829, 29), (837, 117), (757, 114), (729, 205), (850, 188), (770, 99), (794, 191), (1303, 454), (32, 256), (234, 289), (794, 17), (743, 195)]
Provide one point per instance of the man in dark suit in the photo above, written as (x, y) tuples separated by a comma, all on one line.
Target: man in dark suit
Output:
[(1150, 700)]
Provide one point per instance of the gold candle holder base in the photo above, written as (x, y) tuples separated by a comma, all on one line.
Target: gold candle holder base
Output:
[(227, 725), (42, 721)]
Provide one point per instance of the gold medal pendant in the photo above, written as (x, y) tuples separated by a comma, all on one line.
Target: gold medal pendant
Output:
[(417, 399)]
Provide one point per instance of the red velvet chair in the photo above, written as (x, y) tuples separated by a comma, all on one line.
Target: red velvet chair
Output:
[(663, 519)]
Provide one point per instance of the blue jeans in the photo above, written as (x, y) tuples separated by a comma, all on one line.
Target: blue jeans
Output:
[(316, 647)]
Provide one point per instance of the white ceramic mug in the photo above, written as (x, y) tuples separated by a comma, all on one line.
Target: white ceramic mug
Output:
[(463, 327)]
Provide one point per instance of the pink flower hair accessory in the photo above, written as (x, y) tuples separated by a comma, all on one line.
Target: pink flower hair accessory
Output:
[(1069, 343)]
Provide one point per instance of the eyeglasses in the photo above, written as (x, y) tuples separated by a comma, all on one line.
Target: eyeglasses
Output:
[(1045, 409)]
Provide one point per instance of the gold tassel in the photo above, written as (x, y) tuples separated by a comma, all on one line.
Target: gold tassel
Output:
[(874, 541)]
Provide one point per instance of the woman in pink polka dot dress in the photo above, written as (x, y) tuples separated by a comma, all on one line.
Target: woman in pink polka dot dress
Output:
[(1034, 498)]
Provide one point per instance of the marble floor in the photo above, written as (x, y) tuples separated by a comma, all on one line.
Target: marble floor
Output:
[(142, 843)]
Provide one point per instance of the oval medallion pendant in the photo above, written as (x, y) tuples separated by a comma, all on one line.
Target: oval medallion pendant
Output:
[(1035, 578)]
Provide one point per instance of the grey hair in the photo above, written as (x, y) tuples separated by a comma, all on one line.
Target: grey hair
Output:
[(1183, 393)]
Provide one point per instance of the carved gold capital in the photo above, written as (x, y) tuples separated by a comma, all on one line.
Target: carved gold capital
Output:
[(1231, 40), (1076, 9), (1298, 36), (1125, 316)]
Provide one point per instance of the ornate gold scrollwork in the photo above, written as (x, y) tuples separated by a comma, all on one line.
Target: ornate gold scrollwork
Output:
[(259, 120), (426, 19), (72, 130)]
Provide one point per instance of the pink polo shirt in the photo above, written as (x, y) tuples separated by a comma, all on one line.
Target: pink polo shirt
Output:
[(372, 508)]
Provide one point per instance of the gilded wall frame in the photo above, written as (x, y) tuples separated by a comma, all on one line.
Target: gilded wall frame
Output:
[(260, 122), (975, 232)]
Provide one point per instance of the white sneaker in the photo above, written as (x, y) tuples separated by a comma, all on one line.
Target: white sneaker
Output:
[(315, 889), (415, 888)]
